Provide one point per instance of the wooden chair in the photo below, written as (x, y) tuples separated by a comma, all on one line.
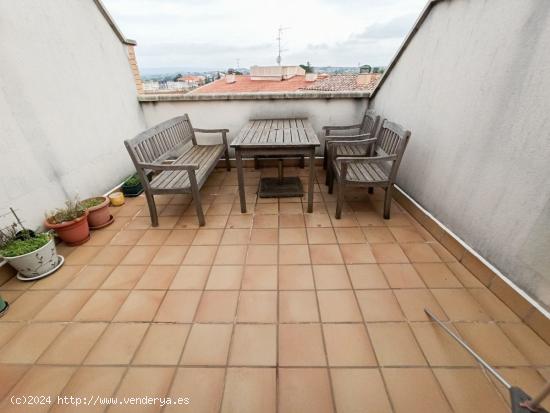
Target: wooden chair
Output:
[(379, 169), (182, 166)]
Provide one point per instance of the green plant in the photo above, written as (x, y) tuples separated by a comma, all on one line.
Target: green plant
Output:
[(16, 247), (132, 181), (92, 202), (72, 211)]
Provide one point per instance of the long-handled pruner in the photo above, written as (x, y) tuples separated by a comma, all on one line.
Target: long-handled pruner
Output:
[(521, 401)]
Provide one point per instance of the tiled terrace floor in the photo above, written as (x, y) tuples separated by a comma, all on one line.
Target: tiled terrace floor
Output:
[(274, 310)]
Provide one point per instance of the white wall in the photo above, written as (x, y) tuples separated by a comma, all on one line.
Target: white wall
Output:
[(67, 101), (233, 114), (473, 87)]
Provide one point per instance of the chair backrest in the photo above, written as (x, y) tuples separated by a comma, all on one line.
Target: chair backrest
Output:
[(370, 122), (392, 139), (161, 141)]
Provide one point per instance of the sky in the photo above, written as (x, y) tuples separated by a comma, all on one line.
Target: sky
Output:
[(215, 34)]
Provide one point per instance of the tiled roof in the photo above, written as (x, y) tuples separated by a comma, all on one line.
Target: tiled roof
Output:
[(346, 82), (243, 84)]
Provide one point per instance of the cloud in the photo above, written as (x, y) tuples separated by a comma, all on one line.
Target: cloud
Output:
[(395, 28)]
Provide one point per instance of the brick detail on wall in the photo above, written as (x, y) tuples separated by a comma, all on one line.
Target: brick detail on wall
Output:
[(135, 70)]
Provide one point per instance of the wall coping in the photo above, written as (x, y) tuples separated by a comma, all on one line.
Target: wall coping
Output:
[(169, 97)]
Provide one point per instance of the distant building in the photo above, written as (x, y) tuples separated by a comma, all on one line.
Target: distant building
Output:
[(192, 81), (346, 82)]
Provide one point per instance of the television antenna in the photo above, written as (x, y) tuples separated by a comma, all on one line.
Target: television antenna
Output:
[(279, 39)]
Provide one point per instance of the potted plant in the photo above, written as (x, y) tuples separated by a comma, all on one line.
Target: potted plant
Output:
[(132, 186), (70, 223), (99, 215), (32, 255)]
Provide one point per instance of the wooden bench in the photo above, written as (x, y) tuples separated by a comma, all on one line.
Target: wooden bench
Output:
[(170, 150)]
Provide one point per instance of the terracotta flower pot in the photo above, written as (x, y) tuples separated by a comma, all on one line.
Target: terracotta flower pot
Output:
[(99, 216), (74, 232)]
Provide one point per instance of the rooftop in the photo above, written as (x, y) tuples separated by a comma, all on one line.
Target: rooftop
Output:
[(346, 82), (244, 84)]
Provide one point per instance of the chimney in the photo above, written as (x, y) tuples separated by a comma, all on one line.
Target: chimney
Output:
[(311, 77), (230, 78)]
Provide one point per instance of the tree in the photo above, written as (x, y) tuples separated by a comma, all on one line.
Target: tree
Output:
[(175, 78), (307, 67)]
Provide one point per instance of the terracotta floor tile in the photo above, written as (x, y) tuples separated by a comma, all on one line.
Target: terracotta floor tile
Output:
[(208, 237), (290, 207), (170, 255), (145, 382), (9, 330), (318, 220), (235, 236), (492, 305), (240, 221), (200, 255), (28, 304), (178, 307), (528, 379), (350, 236), (295, 277), (264, 236), (348, 345), (219, 209), (217, 306), (491, 344), (293, 254), (469, 390), (304, 390), (190, 277), (437, 275), (291, 221), (90, 277), (257, 307), (262, 255), (127, 237), (140, 255), (459, 305), (267, 209), (367, 276), (528, 342), (439, 347), (64, 306), (260, 277), (63, 276), (140, 305), (124, 277), (395, 345), (331, 277), (204, 386), (265, 221), (180, 237), (101, 237), (29, 343), (402, 276), (84, 383), (406, 234), (73, 344), (378, 235), (82, 255), (208, 344), (254, 345), (118, 344), (325, 254), (347, 220), (389, 254), (157, 277), (357, 254), (163, 344), (414, 301), (321, 236), (298, 307), (370, 219), (338, 306), (9, 375), (301, 345), (154, 237), (379, 305), (466, 277), (359, 391), (294, 236), (102, 306), (110, 255), (39, 380), (225, 277), (230, 255), (426, 397), (250, 390), (420, 252)]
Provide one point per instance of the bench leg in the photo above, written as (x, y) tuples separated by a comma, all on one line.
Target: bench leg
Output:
[(152, 209), (340, 200), (196, 197), (387, 202), (256, 163)]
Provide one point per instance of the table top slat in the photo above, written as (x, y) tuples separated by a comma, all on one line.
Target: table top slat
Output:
[(287, 132)]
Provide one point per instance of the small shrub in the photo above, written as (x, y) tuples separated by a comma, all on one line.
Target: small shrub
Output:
[(17, 247), (132, 181), (92, 202), (72, 211)]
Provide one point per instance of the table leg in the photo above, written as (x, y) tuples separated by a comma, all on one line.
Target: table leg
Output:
[(240, 178), (311, 181)]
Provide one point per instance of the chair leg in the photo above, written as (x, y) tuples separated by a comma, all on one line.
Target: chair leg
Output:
[(302, 162), (387, 202), (256, 163), (325, 157), (331, 182), (152, 209), (227, 161), (370, 190), (340, 200), (328, 175)]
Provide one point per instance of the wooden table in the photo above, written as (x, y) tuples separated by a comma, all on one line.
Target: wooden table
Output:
[(276, 137)]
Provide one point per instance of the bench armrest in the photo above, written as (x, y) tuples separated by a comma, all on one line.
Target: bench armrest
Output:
[(168, 167), (224, 133)]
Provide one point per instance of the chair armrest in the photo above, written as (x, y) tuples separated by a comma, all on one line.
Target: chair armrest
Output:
[(332, 145), (328, 129), (169, 167), (211, 130), (367, 159)]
